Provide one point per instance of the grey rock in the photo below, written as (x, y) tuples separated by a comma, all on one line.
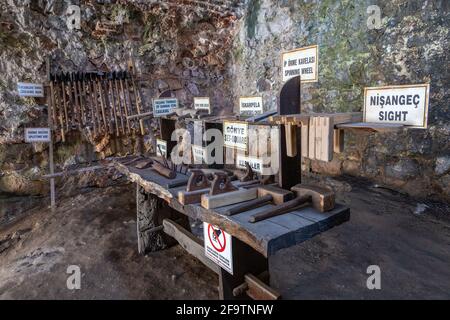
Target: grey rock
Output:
[(442, 165)]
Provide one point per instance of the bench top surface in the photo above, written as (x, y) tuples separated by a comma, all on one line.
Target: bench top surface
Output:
[(266, 236)]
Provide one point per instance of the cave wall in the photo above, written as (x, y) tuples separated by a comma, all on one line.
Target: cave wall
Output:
[(410, 47), (174, 47)]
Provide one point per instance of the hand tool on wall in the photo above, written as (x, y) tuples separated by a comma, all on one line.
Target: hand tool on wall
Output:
[(119, 101), (81, 99), (104, 97), (61, 81), (57, 109), (77, 111), (87, 82), (138, 99), (125, 97), (266, 194), (322, 199), (99, 92), (112, 101)]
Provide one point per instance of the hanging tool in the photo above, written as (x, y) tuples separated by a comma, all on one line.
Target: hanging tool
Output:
[(55, 103), (75, 96), (99, 92), (125, 96), (60, 78), (322, 199), (118, 100), (112, 101), (138, 100), (81, 99)]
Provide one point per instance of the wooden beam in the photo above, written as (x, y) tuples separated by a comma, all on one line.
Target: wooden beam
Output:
[(189, 242), (338, 143), (312, 138), (219, 200)]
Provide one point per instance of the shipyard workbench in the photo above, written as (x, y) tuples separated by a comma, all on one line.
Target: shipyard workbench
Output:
[(158, 210)]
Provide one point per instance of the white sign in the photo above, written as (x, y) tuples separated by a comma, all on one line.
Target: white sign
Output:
[(198, 154), (250, 106), (202, 103), (161, 144), (30, 89), (405, 104), (256, 164), (218, 246), (235, 135), (303, 62), (37, 134), (162, 107)]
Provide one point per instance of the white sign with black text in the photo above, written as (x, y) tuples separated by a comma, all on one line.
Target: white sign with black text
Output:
[(202, 103), (235, 135), (303, 62), (218, 246), (161, 145), (30, 89), (404, 104), (256, 164), (162, 107), (198, 154), (250, 106), (37, 135)]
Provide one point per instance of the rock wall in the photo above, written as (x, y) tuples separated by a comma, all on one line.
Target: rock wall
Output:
[(178, 48), (410, 47)]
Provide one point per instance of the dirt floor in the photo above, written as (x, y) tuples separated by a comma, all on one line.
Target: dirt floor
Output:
[(407, 239)]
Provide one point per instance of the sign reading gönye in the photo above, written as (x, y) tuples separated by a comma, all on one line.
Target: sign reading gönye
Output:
[(406, 104), (301, 62), (235, 135), (162, 107)]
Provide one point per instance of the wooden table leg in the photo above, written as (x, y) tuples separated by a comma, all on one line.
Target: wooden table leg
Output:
[(151, 211), (245, 260)]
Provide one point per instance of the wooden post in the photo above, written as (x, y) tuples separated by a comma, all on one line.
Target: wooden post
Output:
[(50, 145), (290, 167)]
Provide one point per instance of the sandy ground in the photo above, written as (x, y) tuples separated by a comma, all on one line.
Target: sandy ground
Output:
[(97, 232)]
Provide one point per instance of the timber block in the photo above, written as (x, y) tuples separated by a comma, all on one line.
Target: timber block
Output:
[(224, 199)]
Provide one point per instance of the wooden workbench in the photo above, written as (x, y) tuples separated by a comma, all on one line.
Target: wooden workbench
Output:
[(253, 243)]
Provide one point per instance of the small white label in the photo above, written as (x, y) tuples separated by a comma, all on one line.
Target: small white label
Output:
[(405, 104), (202, 103), (250, 106), (218, 246), (37, 135), (198, 154), (30, 89), (161, 144), (303, 62), (162, 107), (256, 164), (235, 135)]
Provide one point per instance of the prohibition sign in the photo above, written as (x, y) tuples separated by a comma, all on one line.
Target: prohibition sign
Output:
[(221, 246)]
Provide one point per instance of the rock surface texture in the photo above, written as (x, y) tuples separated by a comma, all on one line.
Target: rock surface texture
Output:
[(225, 49)]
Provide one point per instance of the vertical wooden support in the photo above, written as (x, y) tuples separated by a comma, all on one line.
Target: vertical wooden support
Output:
[(290, 167), (327, 138), (291, 140), (305, 139), (312, 138), (338, 140), (245, 260), (50, 144)]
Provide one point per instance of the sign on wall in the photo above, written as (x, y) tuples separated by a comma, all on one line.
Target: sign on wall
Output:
[(404, 104), (30, 89), (37, 135), (218, 246), (250, 106), (235, 135), (165, 106), (303, 62), (198, 154), (161, 145), (202, 103)]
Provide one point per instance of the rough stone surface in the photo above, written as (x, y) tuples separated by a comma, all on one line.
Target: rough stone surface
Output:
[(409, 48)]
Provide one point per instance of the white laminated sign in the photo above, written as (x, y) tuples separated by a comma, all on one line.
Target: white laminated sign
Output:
[(250, 106), (404, 104), (303, 62), (218, 246), (202, 103), (30, 89), (235, 135), (37, 135), (162, 107), (161, 145)]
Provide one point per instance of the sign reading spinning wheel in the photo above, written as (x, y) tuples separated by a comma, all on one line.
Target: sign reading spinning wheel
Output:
[(218, 246), (303, 62)]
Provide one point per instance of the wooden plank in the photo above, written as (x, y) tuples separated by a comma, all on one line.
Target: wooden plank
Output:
[(304, 139), (189, 242), (338, 141), (327, 138), (373, 127), (312, 138), (219, 200), (291, 140), (258, 290)]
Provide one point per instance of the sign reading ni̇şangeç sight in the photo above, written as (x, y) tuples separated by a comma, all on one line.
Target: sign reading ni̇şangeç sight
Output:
[(403, 104)]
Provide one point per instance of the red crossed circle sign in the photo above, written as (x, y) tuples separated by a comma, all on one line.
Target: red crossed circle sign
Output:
[(217, 238)]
